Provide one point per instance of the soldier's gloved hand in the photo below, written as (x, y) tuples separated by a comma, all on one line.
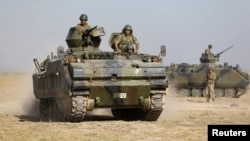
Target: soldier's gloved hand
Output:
[(118, 51)]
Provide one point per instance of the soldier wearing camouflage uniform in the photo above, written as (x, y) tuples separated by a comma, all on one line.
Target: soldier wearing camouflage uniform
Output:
[(130, 49), (208, 50), (211, 77), (83, 25), (126, 38)]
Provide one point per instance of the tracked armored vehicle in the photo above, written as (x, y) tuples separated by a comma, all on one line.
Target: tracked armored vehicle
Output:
[(84, 77), (189, 80)]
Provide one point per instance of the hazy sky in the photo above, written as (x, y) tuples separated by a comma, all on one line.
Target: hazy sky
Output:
[(33, 29)]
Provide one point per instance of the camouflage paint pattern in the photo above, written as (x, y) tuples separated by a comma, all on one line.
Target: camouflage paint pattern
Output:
[(100, 79), (189, 80)]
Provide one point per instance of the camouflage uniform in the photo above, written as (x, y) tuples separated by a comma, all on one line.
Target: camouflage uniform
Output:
[(208, 50), (211, 77), (122, 40), (81, 28)]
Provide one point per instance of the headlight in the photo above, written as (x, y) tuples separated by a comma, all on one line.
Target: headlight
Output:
[(155, 59), (147, 59), (72, 60)]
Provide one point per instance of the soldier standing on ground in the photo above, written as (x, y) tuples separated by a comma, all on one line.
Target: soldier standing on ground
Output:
[(208, 50), (210, 81), (126, 38)]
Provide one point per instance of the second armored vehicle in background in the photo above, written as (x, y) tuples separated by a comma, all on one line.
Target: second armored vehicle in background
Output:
[(189, 80)]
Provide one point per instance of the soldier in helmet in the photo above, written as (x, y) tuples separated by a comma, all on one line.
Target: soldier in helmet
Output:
[(130, 49), (210, 81), (208, 50), (83, 26), (126, 38)]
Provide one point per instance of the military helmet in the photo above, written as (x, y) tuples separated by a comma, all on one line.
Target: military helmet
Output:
[(127, 27), (83, 17), (210, 46), (130, 47)]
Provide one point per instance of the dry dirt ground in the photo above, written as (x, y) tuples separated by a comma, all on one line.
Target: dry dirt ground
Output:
[(183, 119)]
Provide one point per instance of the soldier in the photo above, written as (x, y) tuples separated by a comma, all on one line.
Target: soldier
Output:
[(208, 50), (83, 26), (210, 80), (130, 48), (82, 29), (125, 38)]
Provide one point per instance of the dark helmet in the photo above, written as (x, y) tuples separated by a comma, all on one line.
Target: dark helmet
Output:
[(83, 17), (127, 27), (210, 46), (129, 47)]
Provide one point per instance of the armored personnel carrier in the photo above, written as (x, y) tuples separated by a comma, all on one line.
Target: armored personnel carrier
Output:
[(84, 77), (189, 80)]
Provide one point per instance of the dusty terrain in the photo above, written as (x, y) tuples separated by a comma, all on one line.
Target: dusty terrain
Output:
[(183, 119)]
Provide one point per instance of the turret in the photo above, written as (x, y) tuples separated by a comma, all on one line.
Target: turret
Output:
[(73, 39), (210, 57), (90, 39)]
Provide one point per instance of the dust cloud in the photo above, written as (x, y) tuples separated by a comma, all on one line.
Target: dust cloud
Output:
[(17, 92), (20, 101)]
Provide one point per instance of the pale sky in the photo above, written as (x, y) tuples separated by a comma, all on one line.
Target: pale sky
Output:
[(33, 29)]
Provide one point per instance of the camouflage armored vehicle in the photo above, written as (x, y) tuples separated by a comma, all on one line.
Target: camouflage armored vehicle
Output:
[(189, 80), (83, 78)]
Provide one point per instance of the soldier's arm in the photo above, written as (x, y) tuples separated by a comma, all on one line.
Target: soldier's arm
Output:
[(116, 43), (136, 44), (86, 30), (207, 51), (137, 47), (78, 29), (213, 77), (116, 47)]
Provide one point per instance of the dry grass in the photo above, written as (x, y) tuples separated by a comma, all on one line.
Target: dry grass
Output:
[(184, 119)]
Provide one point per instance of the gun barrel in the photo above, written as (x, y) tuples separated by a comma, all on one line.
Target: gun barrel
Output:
[(92, 28), (218, 54), (228, 48)]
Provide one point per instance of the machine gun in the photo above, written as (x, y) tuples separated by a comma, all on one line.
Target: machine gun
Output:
[(87, 31), (218, 54), (86, 36)]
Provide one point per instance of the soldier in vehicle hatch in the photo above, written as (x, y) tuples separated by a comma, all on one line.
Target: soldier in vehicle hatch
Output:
[(83, 26), (210, 81), (126, 38), (130, 49), (208, 50)]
